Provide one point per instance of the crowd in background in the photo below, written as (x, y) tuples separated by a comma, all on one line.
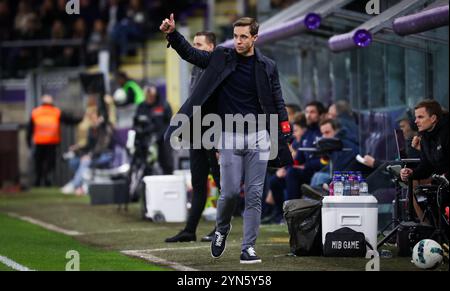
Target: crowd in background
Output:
[(118, 25)]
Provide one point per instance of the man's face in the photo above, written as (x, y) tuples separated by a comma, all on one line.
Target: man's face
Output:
[(150, 95), (406, 128), (291, 113), (312, 115), (298, 132), (332, 114), (243, 41), (201, 43), (327, 131), (424, 121)]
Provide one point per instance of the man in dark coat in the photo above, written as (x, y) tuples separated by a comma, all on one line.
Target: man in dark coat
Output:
[(432, 123), (202, 161), (239, 81)]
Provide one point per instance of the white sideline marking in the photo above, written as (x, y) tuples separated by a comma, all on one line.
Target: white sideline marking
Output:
[(157, 260), (172, 249), (45, 225), (124, 230), (145, 254), (13, 265)]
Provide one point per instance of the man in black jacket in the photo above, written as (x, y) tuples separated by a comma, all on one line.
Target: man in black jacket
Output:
[(433, 134), (240, 81), (433, 130), (202, 161)]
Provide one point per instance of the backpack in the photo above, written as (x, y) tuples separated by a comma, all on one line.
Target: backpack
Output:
[(303, 218)]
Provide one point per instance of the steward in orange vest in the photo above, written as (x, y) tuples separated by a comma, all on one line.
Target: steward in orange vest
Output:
[(47, 125), (44, 131)]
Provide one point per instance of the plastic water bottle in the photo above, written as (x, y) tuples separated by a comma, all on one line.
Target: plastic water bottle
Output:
[(336, 176), (363, 187), (331, 187), (347, 185), (338, 186), (354, 184)]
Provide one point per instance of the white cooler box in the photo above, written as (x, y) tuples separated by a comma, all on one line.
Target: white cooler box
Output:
[(166, 198), (359, 213)]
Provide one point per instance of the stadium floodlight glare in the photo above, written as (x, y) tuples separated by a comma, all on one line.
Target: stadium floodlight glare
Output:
[(422, 21), (354, 39), (308, 22)]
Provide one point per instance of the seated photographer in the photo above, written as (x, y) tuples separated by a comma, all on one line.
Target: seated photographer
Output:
[(341, 159), (432, 124)]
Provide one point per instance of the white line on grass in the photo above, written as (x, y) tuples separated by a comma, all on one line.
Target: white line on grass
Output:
[(13, 265), (154, 259), (145, 254), (171, 249), (45, 225)]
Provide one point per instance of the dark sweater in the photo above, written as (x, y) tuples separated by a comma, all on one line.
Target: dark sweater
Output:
[(238, 94)]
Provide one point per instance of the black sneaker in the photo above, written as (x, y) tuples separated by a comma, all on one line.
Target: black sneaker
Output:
[(248, 256), (182, 236), (209, 237), (218, 243)]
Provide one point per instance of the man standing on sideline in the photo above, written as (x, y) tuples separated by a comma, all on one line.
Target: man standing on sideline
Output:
[(240, 81), (202, 161), (44, 131)]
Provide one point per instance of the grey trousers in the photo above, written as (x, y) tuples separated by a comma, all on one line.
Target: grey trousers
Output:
[(252, 162)]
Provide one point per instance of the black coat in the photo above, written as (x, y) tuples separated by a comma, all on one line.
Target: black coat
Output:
[(434, 151), (218, 65)]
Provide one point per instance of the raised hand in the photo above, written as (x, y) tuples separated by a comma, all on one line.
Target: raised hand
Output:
[(168, 25)]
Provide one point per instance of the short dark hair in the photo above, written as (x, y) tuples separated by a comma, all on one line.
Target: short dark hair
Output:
[(294, 107), (334, 124), (300, 120), (319, 106), (343, 106), (431, 106), (248, 21), (121, 74), (209, 36)]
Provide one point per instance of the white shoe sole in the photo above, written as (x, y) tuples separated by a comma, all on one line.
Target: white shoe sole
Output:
[(251, 262), (224, 247)]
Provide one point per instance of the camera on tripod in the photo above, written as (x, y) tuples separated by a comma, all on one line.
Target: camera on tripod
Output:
[(429, 198)]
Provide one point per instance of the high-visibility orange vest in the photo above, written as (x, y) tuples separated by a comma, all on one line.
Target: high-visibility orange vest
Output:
[(47, 124)]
